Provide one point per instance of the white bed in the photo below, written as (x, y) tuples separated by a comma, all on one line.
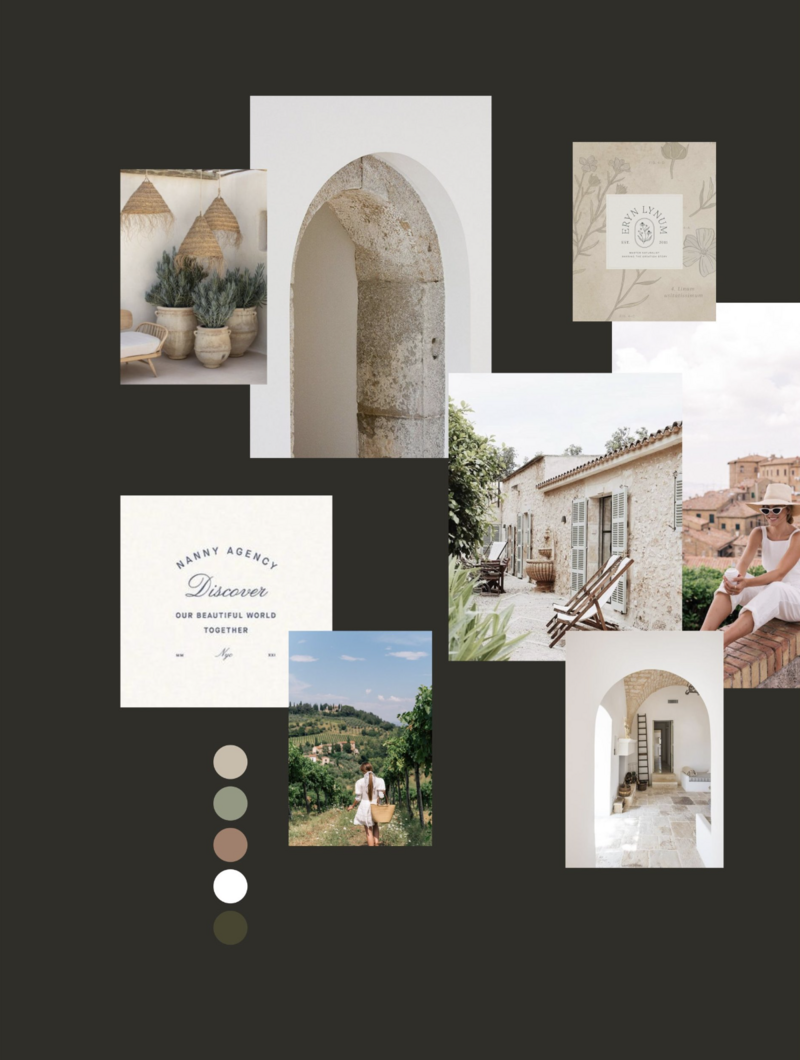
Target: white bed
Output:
[(701, 781)]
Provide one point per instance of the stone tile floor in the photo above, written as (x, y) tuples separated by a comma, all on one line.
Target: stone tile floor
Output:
[(657, 832), (532, 612)]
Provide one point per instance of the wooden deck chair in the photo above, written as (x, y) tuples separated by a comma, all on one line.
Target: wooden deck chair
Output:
[(587, 614), (143, 344), (491, 571), (587, 586)]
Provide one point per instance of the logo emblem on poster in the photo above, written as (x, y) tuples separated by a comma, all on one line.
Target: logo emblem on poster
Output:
[(645, 232)]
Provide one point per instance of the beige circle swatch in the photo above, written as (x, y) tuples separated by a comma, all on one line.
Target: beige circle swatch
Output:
[(230, 761), (230, 844)]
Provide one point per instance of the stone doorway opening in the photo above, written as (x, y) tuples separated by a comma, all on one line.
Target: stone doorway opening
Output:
[(368, 301)]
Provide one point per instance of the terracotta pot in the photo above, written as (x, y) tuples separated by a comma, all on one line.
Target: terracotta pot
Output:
[(244, 328), (543, 572), (212, 346), (181, 324), (529, 565)]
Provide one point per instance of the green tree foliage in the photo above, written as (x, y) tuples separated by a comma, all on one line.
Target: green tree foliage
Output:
[(699, 586), (419, 738), (508, 459), (573, 450), (214, 301), (476, 637), (175, 287), (623, 437), (474, 468)]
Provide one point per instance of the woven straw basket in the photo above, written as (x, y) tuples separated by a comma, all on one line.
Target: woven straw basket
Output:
[(382, 814)]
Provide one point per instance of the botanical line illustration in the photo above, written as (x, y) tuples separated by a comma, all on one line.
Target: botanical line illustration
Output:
[(675, 152), (706, 204), (585, 196), (702, 247), (638, 282)]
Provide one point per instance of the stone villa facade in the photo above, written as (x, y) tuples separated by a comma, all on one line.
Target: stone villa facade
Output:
[(579, 510)]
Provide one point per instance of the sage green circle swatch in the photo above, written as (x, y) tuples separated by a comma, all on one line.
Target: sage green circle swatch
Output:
[(230, 927), (230, 803), (230, 761)]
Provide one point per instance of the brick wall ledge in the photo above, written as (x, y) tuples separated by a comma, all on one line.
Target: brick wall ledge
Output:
[(768, 658)]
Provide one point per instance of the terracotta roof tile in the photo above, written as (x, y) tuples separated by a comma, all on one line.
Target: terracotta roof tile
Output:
[(609, 458)]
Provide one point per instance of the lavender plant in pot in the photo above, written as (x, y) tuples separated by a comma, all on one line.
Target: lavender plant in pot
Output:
[(251, 292), (173, 295), (214, 301)]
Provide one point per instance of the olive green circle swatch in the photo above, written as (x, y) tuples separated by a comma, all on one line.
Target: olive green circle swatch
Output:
[(230, 927), (230, 803)]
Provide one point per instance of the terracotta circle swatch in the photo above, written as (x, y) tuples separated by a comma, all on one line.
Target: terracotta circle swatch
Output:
[(230, 886), (230, 844), (230, 927), (230, 803), (230, 761)]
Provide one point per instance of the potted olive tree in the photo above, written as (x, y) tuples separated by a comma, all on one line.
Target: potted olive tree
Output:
[(214, 301), (251, 292), (173, 296)]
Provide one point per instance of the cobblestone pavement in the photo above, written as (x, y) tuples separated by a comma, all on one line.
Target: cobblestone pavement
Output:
[(532, 612)]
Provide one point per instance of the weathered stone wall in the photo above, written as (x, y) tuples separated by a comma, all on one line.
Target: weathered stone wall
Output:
[(654, 580), (527, 498), (643, 683), (400, 338)]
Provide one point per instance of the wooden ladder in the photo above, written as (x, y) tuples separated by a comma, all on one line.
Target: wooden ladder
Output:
[(643, 770)]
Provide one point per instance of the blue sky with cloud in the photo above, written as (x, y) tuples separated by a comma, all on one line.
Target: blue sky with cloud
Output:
[(377, 671)]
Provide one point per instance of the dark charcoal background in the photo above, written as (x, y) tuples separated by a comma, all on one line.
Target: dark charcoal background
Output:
[(108, 813)]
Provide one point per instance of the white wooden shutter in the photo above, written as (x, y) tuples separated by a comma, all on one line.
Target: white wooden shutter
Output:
[(619, 544), (577, 571), (526, 539), (678, 520), (518, 560)]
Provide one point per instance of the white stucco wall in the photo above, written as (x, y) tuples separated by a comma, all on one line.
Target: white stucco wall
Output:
[(596, 662), (614, 703), (326, 303), (442, 146), (691, 732), (245, 193)]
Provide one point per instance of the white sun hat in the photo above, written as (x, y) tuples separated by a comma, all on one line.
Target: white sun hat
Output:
[(777, 493)]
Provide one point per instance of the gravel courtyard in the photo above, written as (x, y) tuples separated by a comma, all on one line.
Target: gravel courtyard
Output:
[(532, 612)]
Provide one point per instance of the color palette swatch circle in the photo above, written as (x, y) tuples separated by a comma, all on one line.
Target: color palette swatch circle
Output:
[(230, 803), (230, 927), (230, 761), (230, 886), (230, 844)]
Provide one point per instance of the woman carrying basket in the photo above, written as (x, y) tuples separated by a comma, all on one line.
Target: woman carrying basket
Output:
[(368, 791)]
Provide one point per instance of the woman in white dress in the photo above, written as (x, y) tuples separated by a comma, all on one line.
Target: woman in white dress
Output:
[(775, 594), (368, 790)]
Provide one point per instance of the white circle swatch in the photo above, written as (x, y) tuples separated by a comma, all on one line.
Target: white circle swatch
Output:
[(230, 886)]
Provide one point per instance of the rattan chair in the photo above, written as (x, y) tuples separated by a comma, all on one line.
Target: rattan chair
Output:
[(148, 347)]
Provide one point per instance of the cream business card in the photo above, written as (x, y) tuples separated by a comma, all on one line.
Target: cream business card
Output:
[(209, 589), (644, 240)]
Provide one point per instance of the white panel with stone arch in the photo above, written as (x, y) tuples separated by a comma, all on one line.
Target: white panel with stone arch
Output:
[(400, 333), (595, 664)]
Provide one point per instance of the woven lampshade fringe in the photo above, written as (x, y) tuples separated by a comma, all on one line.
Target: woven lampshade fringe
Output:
[(145, 211), (222, 222), (201, 245)]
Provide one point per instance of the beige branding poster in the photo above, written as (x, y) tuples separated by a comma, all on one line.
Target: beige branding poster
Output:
[(644, 231)]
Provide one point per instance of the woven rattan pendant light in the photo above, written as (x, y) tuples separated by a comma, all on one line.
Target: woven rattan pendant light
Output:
[(200, 244), (145, 210), (222, 220)]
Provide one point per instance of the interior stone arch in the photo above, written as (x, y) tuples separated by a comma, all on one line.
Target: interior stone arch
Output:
[(400, 345)]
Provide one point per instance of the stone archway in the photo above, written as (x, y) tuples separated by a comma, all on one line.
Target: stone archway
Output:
[(400, 341)]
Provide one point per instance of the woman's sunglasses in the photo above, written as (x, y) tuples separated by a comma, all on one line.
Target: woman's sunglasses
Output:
[(775, 511)]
